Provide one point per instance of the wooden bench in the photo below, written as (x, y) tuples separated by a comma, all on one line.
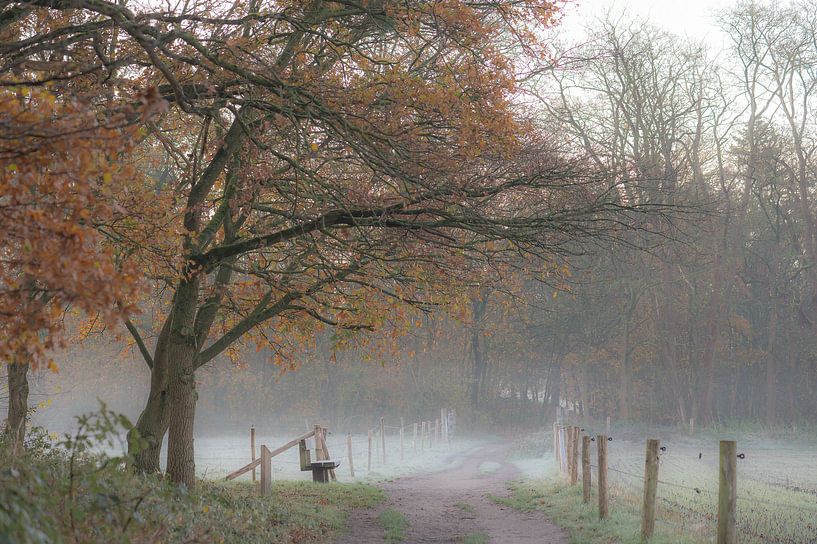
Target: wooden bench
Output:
[(322, 470)]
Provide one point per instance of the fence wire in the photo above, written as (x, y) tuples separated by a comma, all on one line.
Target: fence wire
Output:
[(770, 507)]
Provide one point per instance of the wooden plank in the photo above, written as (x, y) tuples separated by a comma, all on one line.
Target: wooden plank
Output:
[(303, 455), (243, 470), (294, 442), (401, 439), (727, 492), (650, 489)]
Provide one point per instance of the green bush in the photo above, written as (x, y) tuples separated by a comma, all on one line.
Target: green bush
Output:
[(67, 491)]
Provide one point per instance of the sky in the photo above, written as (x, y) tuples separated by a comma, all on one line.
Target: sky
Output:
[(691, 18)]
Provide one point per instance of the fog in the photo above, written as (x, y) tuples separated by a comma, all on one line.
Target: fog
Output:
[(465, 254)]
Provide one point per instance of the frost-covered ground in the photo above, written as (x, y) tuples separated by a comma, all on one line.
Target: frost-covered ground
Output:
[(218, 456), (777, 481)]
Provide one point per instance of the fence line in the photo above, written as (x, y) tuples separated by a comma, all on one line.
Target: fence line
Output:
[(355, 450), (708, 505)]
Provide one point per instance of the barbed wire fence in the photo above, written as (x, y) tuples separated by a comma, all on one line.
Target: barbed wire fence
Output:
[(690, 499)]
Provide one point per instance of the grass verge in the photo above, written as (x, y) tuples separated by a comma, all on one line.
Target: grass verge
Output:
[(63, 492), (475, 538), (394, 525), (563, 505)]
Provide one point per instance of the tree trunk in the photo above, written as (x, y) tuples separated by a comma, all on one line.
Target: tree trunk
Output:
[(18, 405), (715, 312), (181, 466), (151, 426), (771, 369), (478, 379), (172, 398), (624, 379), (181, 354), (154, 419)]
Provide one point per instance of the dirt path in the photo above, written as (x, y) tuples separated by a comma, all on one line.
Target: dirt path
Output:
[(446, 506)]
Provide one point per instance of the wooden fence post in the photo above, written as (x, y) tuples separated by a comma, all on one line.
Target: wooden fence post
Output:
[(727, 493), (568, 451), (586, 476), (562, 454), (564, 444), (383, 439), (320, 454), (556, 442), (608, 426), (691, 426), (252, 447), (574, 462), (422, 435), (443, 430), (266, 471), (369, 464), (604, 505), (650, 489), (402, 427), (349, 454), (414, 438)]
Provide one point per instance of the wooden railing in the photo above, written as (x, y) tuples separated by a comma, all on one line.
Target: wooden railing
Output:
[(265, 460)]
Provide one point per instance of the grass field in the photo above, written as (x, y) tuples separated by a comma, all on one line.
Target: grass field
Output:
[(217, 456), (777, 489)]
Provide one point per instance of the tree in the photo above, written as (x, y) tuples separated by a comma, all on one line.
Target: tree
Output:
[(65, 132), (329, 161), (57, 165)]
